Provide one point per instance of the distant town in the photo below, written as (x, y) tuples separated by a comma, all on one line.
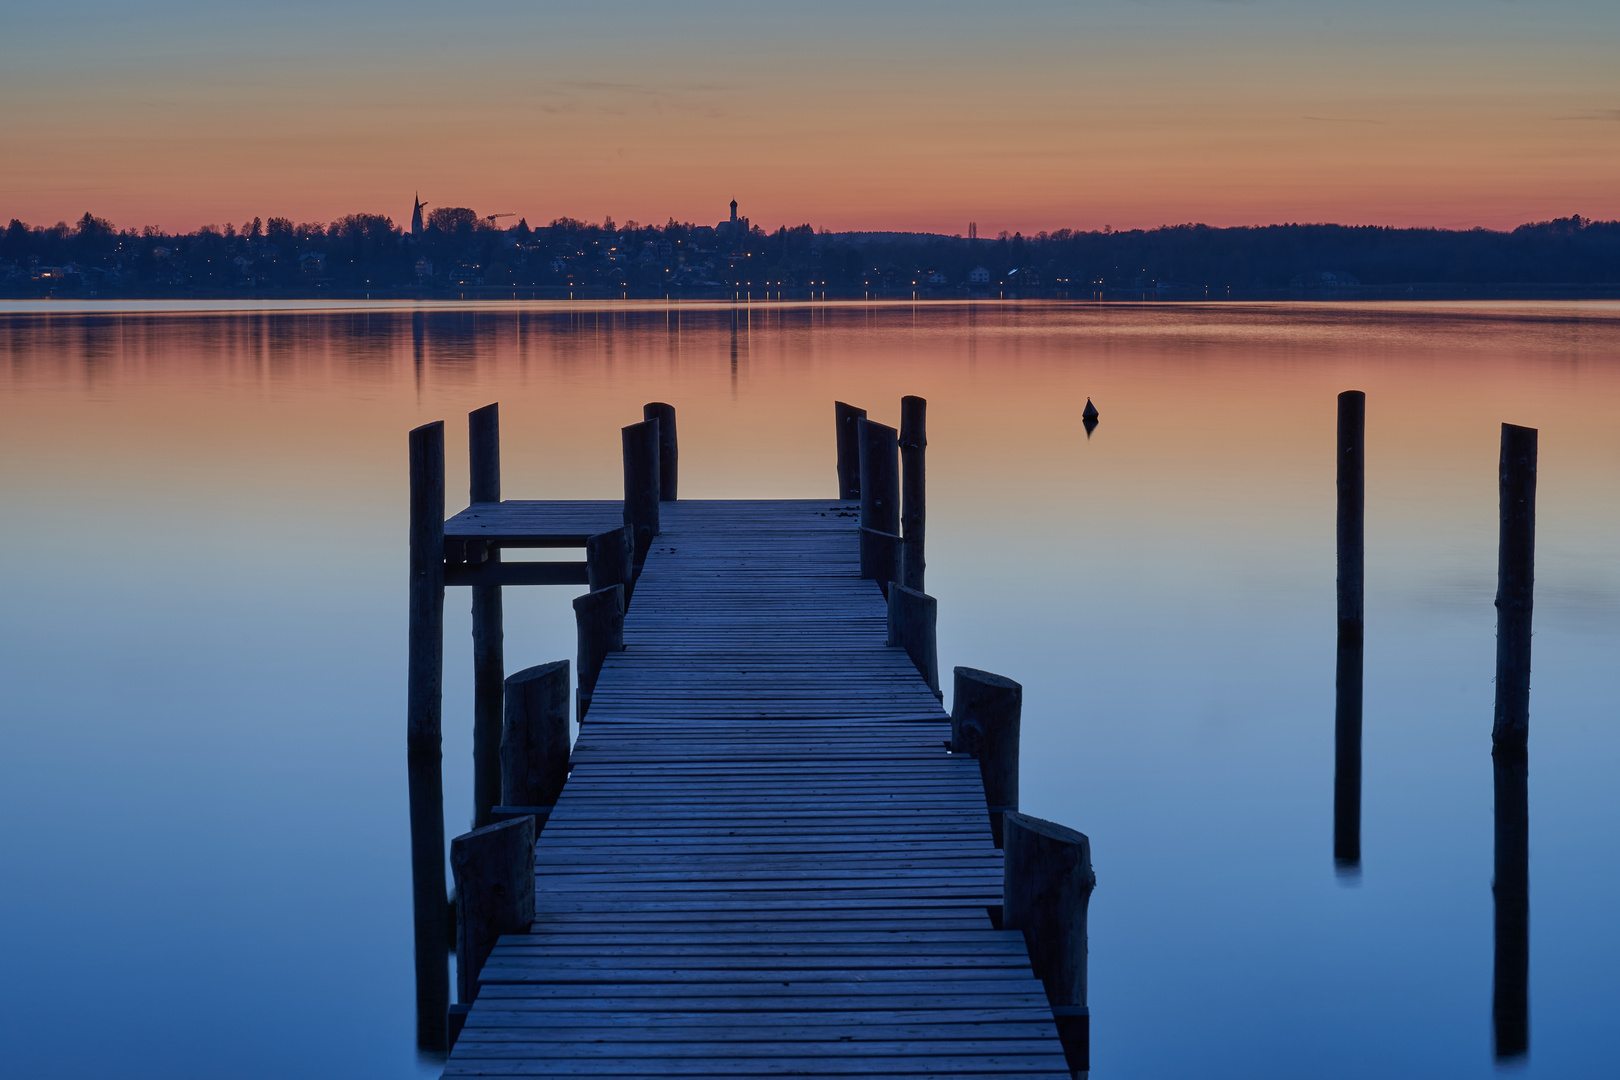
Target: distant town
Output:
[(452, 251)]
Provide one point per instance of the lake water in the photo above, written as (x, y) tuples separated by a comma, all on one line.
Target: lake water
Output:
[(202, 791)]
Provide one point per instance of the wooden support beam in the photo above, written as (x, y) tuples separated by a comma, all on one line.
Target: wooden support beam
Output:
[(1352, 487), (610, 560), (848, 418), (497, 574), (880, 476), (1515, 585), (912, 616), (494, 872), (913, 508), (668, 449), (880, 557), (534, 738), (1046, 887), (641, 483), (985, 716), (423, 707), (489, 660), (599, 617)]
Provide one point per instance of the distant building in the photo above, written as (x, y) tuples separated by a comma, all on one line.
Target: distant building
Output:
[(312, 263), (424, 269), (416, 217), (978, 276), (935, 277), (733, 232)]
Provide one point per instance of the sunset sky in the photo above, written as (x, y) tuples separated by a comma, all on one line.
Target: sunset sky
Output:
[(849, 116)]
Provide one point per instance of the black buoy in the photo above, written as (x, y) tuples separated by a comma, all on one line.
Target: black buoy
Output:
[(1091, 411)]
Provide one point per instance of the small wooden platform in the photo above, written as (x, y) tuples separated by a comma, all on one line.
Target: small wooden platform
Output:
[(764, 862)]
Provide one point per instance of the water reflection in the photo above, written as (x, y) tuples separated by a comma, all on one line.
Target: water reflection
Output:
[(1510, 990)]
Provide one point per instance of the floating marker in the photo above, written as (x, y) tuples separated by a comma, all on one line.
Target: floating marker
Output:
[(1091, 411)]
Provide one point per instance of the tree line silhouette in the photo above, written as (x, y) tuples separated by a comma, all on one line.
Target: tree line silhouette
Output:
[(458, 251)]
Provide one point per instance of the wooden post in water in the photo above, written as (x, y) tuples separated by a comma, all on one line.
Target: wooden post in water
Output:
[(880, 557), (1352, 487), (1046, 887), (423, 745), (913, 508), (912, 616), (848, 419), (534, 741), (489, 661), (599, 617), (494, 872), (1515, 586), (1510, 888), (610, 560), (641, 484), (880, 484), (985, 714), (668, 450)]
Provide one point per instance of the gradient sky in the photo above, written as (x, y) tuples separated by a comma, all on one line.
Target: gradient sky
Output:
[(849, 116)]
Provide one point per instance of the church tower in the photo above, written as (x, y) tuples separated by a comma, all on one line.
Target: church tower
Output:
[(733, 213), (416, 218)]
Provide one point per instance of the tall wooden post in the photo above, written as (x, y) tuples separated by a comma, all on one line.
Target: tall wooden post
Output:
[(534, 740), (1515, 586), (986, 710), (1046, 888), (489, 661), (913, 508), (610, 560), (1352, 518), (641, 484), (668, 449), (599, 617), (880, 483), (494, 872), (423, 745), (1510, 990), (848, 418), (912, 618)]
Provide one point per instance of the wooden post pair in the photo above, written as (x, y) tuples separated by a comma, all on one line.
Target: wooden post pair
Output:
[(874, 460)]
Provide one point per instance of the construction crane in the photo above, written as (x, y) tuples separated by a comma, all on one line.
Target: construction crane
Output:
[(491, 217)]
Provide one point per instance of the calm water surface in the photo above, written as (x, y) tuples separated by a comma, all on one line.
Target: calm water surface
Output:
[(202, 793)]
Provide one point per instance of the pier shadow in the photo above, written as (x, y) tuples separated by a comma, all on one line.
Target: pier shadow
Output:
[(1510, 989), (1347, 757)]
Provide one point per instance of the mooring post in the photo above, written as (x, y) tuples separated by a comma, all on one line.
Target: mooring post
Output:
[(489, 661), (423, 745), (494, 872), (986, 710), (1352, 488), (880, 557), (599, 617), (848, 419), (912, 616), (534, 740), (880, 484), (641, 484), (610, 560), (1046, 887), (913, 507), (668, 450), (1515, 586)]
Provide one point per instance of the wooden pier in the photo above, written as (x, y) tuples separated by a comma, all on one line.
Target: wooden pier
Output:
[(764, 861)]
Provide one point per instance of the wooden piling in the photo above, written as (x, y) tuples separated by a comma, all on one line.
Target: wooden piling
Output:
[(913, 507), (1352, 490), (534, 740), (494, 872), (1047, 883), (880, 476), (848, 418), (599, 617), (610, 560), (985, 716), (1515, 585), (641, 483), (912, 618), (1510, 888), (489, 661), (880, 557), (424, 702), (668, 450)]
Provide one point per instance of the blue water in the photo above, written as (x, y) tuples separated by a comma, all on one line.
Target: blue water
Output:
[(203, 792)]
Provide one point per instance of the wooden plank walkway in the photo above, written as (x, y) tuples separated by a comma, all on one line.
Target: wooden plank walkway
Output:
[(764, 863)]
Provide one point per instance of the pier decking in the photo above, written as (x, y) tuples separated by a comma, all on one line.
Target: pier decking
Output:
[(764, 863)]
